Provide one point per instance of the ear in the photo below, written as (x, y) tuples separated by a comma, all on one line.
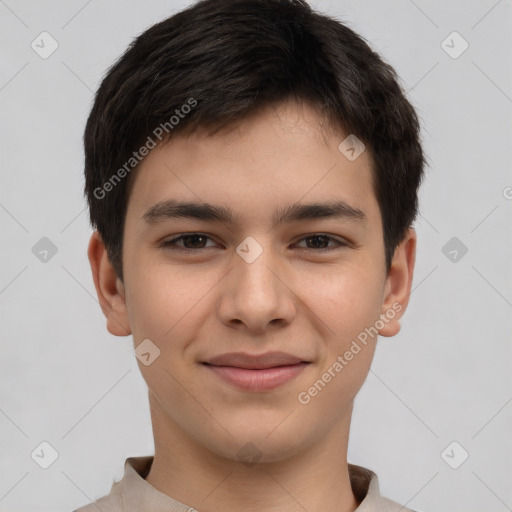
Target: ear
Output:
[(109, 287), (397, 288)]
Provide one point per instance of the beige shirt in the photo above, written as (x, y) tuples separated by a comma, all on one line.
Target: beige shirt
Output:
[(133, 494)]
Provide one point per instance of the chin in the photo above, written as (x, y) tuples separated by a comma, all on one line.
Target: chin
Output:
[(256, 445)]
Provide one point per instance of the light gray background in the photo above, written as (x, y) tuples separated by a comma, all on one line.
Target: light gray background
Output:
[(446, 377)]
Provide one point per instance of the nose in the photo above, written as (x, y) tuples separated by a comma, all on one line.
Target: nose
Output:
[(256, 295)]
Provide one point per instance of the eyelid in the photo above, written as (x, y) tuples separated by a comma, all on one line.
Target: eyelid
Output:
[(340, 241), (171, 244), (167, 244)]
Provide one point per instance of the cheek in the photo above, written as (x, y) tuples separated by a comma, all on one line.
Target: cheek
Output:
[(346, 300), (164, 301), (164, 306), (348, 305)]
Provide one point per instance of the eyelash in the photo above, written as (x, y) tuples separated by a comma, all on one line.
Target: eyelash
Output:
[(171, 244)]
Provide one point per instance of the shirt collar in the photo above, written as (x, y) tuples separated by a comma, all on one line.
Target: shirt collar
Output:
[(136, 494)]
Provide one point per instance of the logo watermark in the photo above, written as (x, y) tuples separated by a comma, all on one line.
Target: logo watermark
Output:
[(137, 156), (304, 397)]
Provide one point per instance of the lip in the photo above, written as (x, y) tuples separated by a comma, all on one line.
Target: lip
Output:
[(257, 380), (255, 361), (261, 372)]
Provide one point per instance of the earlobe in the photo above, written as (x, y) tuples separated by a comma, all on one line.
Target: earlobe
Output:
[(398, 284), (109, 288)]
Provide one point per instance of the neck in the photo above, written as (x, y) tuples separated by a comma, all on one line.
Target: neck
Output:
[(315, 479)]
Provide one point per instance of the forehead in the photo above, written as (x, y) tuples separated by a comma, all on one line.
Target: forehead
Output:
[(257, 168)]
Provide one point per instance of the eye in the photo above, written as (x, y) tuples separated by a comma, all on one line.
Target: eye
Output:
[(192, 242), (319, 240)]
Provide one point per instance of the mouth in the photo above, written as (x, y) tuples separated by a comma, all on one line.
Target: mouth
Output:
[(256, 372), (255, 361)]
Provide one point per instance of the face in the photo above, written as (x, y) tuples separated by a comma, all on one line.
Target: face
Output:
[(311, 286)]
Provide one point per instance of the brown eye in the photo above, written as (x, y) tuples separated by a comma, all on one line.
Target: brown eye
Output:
[(319, 242), (191, 242)]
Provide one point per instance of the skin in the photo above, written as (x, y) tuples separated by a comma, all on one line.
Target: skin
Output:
[(292, 298)]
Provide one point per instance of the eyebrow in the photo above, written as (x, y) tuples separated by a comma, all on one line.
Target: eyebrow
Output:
[(173, 209)]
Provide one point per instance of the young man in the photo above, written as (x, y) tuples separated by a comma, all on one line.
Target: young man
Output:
[(252, 170)]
